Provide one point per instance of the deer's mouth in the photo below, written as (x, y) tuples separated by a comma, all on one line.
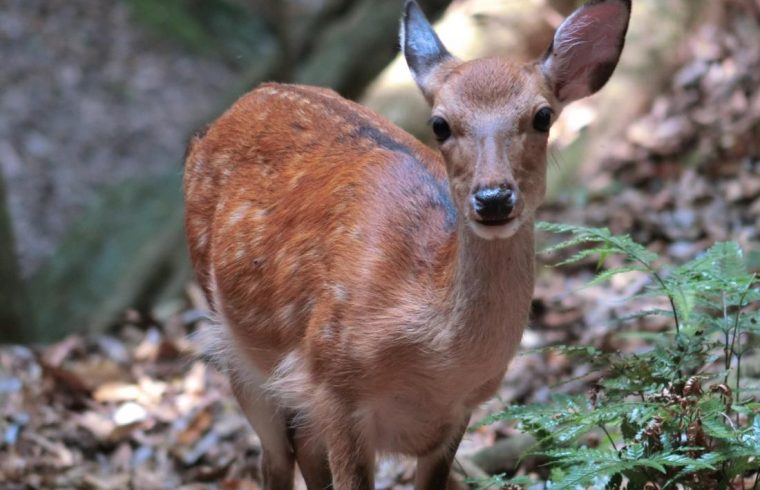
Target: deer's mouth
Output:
[(496, 229), (495, 222)]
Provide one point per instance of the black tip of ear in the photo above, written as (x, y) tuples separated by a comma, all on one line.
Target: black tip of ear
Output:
[(413, 15), (409, 5), (412, 10)]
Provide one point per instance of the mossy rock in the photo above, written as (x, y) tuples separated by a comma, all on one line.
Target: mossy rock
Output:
[(124, 251)]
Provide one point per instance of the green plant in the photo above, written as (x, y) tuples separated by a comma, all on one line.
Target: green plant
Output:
[(677, 415)]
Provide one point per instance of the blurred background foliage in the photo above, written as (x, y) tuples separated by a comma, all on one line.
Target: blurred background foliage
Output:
[(99, 99), (213, 28)]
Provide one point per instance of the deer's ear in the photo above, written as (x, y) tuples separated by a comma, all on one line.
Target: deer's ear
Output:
[(424, 52), (586, 48)]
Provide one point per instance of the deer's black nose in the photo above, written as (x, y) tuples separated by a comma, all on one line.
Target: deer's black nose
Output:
[(493, 205)]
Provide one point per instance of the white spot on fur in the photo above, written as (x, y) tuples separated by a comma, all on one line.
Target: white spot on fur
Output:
[(222, 160), (238, 214), (281, 257), (207, 181), (310, 256), (328, 332), (297, 178), (201, 240), (226, 173), (307, 306), (257, 237), (287, 314), (198, 163), (340, 293), (356, 233)]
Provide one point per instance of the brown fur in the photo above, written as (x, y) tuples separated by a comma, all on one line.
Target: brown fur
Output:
[(362, 307)]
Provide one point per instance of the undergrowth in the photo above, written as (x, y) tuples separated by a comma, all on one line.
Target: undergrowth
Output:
[(677, 414)]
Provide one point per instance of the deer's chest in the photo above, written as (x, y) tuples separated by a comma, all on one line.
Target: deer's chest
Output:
[(418, 410)]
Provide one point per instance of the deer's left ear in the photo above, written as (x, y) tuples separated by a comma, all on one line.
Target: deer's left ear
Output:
[(586, 48)]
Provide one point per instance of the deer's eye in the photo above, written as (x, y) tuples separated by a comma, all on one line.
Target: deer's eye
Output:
[(441, 128), (542, 121)]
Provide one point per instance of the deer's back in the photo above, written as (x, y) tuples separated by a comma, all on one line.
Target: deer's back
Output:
[(304, 211)]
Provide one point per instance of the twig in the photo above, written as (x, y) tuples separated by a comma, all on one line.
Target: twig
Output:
[(736, 334), (609, 437)]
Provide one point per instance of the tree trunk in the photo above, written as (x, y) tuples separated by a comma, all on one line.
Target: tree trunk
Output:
[(14, 314)]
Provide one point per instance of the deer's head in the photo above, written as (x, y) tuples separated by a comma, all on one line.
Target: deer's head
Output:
[(492, 116)]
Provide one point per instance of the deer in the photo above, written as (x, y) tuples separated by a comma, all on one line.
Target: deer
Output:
[(369, 291)]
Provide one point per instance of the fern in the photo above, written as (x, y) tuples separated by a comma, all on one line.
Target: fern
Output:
[(666, 417)]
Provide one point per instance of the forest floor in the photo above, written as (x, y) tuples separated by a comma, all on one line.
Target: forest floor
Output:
[(137, 409)]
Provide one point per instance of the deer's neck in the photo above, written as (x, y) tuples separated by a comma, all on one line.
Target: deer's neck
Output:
[(491, 286)]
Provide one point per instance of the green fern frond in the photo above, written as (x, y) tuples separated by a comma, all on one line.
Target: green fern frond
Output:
[(665, 413), (608, 274)]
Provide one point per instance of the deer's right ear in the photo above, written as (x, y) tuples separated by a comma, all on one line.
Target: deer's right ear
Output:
[(424, 52)]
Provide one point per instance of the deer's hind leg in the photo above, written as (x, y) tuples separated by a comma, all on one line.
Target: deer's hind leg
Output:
[(271, 425)]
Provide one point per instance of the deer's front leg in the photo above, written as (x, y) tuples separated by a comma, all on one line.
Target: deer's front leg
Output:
[(351, 463), (311, 456), (433, 469)]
